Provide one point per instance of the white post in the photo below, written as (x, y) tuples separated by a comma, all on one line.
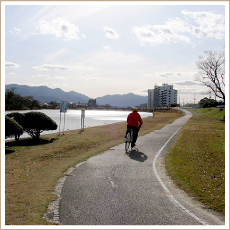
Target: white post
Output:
[(60, 123), (64, 124), (82, 119)]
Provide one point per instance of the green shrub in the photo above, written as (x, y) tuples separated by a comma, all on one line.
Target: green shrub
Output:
[(34, 123), (19, 117), (12, 128)]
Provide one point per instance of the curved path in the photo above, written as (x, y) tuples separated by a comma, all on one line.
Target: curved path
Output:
[(119, 188)]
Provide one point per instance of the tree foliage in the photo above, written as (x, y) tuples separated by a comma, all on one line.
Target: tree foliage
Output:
[(207, 102), (12, 128), (14, 101), (212, 72), (36, 122), (19, 117)]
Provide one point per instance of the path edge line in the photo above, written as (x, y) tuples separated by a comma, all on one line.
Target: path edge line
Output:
[(169, 194)]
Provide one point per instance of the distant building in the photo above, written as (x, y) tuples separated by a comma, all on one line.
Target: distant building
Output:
[(162, 96), (92, 103), (150, 97), (141, 106)]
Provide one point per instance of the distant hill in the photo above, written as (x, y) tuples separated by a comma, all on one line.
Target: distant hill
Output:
[(46, 94), (124, 100)]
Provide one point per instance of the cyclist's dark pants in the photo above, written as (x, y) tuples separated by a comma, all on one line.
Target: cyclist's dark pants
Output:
[(135, 133)]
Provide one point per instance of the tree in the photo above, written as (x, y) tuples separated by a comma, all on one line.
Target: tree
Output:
[(19, 117), (212, 72), (12, 128), (207, 102), (36, 122), (12, 100)]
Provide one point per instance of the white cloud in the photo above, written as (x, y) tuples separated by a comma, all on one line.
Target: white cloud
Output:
[(15, 30), (59, 27), (141, 92), (11, 65), (51, 67), (209, 24), (188, 83), (106, 47), (158, 34), (110, 33)]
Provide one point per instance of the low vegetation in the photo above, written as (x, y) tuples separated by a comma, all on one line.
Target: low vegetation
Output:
[(34, 123), (197, 159), (33, 167), (12, 128)]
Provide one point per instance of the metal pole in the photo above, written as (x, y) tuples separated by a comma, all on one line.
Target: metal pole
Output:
[(60, 123), (64, 124)]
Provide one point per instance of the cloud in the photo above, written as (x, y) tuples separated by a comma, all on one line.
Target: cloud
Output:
[(51, 67), (141, 92), (190, 91), (15, 30), (106, 47), (177, 30), (110, 33), (11, 65), (209, 24), (158, 34), (168, 74), (188, 83), (60, 28)]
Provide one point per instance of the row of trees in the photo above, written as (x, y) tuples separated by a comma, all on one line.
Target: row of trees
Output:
[(34, 123), (14, 101)]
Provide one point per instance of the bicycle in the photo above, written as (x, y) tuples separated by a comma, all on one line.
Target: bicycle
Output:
[(128, 140)]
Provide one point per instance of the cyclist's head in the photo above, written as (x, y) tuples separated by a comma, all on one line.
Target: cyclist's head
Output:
[(135, 109)]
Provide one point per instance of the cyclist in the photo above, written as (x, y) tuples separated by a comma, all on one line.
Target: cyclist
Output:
[(134, 122)]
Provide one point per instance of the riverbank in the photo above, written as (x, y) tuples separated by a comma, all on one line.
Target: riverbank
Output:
[(72, 119), (32, 169)]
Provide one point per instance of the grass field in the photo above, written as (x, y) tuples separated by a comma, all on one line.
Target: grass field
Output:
[(32, 169), (197, 159)]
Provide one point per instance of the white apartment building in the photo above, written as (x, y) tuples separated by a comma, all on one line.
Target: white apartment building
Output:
[(150, 98), (163, 95)]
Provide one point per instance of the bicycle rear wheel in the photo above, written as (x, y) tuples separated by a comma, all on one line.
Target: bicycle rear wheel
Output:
[(127, 142)]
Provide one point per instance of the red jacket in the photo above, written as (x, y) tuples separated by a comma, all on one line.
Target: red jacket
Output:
[(134, 119)]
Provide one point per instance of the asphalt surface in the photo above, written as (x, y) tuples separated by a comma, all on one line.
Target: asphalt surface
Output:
[(130, 188)]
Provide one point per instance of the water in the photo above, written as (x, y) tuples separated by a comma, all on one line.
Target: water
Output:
[(72, 119)]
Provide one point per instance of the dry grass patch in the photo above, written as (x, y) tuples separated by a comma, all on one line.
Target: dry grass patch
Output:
[(197, 159), (32, 169)]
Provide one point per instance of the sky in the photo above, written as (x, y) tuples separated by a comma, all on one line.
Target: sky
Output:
[(101, 48)]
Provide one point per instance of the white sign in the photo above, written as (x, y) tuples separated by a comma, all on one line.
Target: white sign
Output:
[(63, 107), (82, 113)]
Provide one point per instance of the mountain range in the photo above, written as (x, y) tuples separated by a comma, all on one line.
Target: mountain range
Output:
[(45, 94)]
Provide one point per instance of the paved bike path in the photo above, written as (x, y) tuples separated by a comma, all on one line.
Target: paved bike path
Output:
[(119, 188)]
